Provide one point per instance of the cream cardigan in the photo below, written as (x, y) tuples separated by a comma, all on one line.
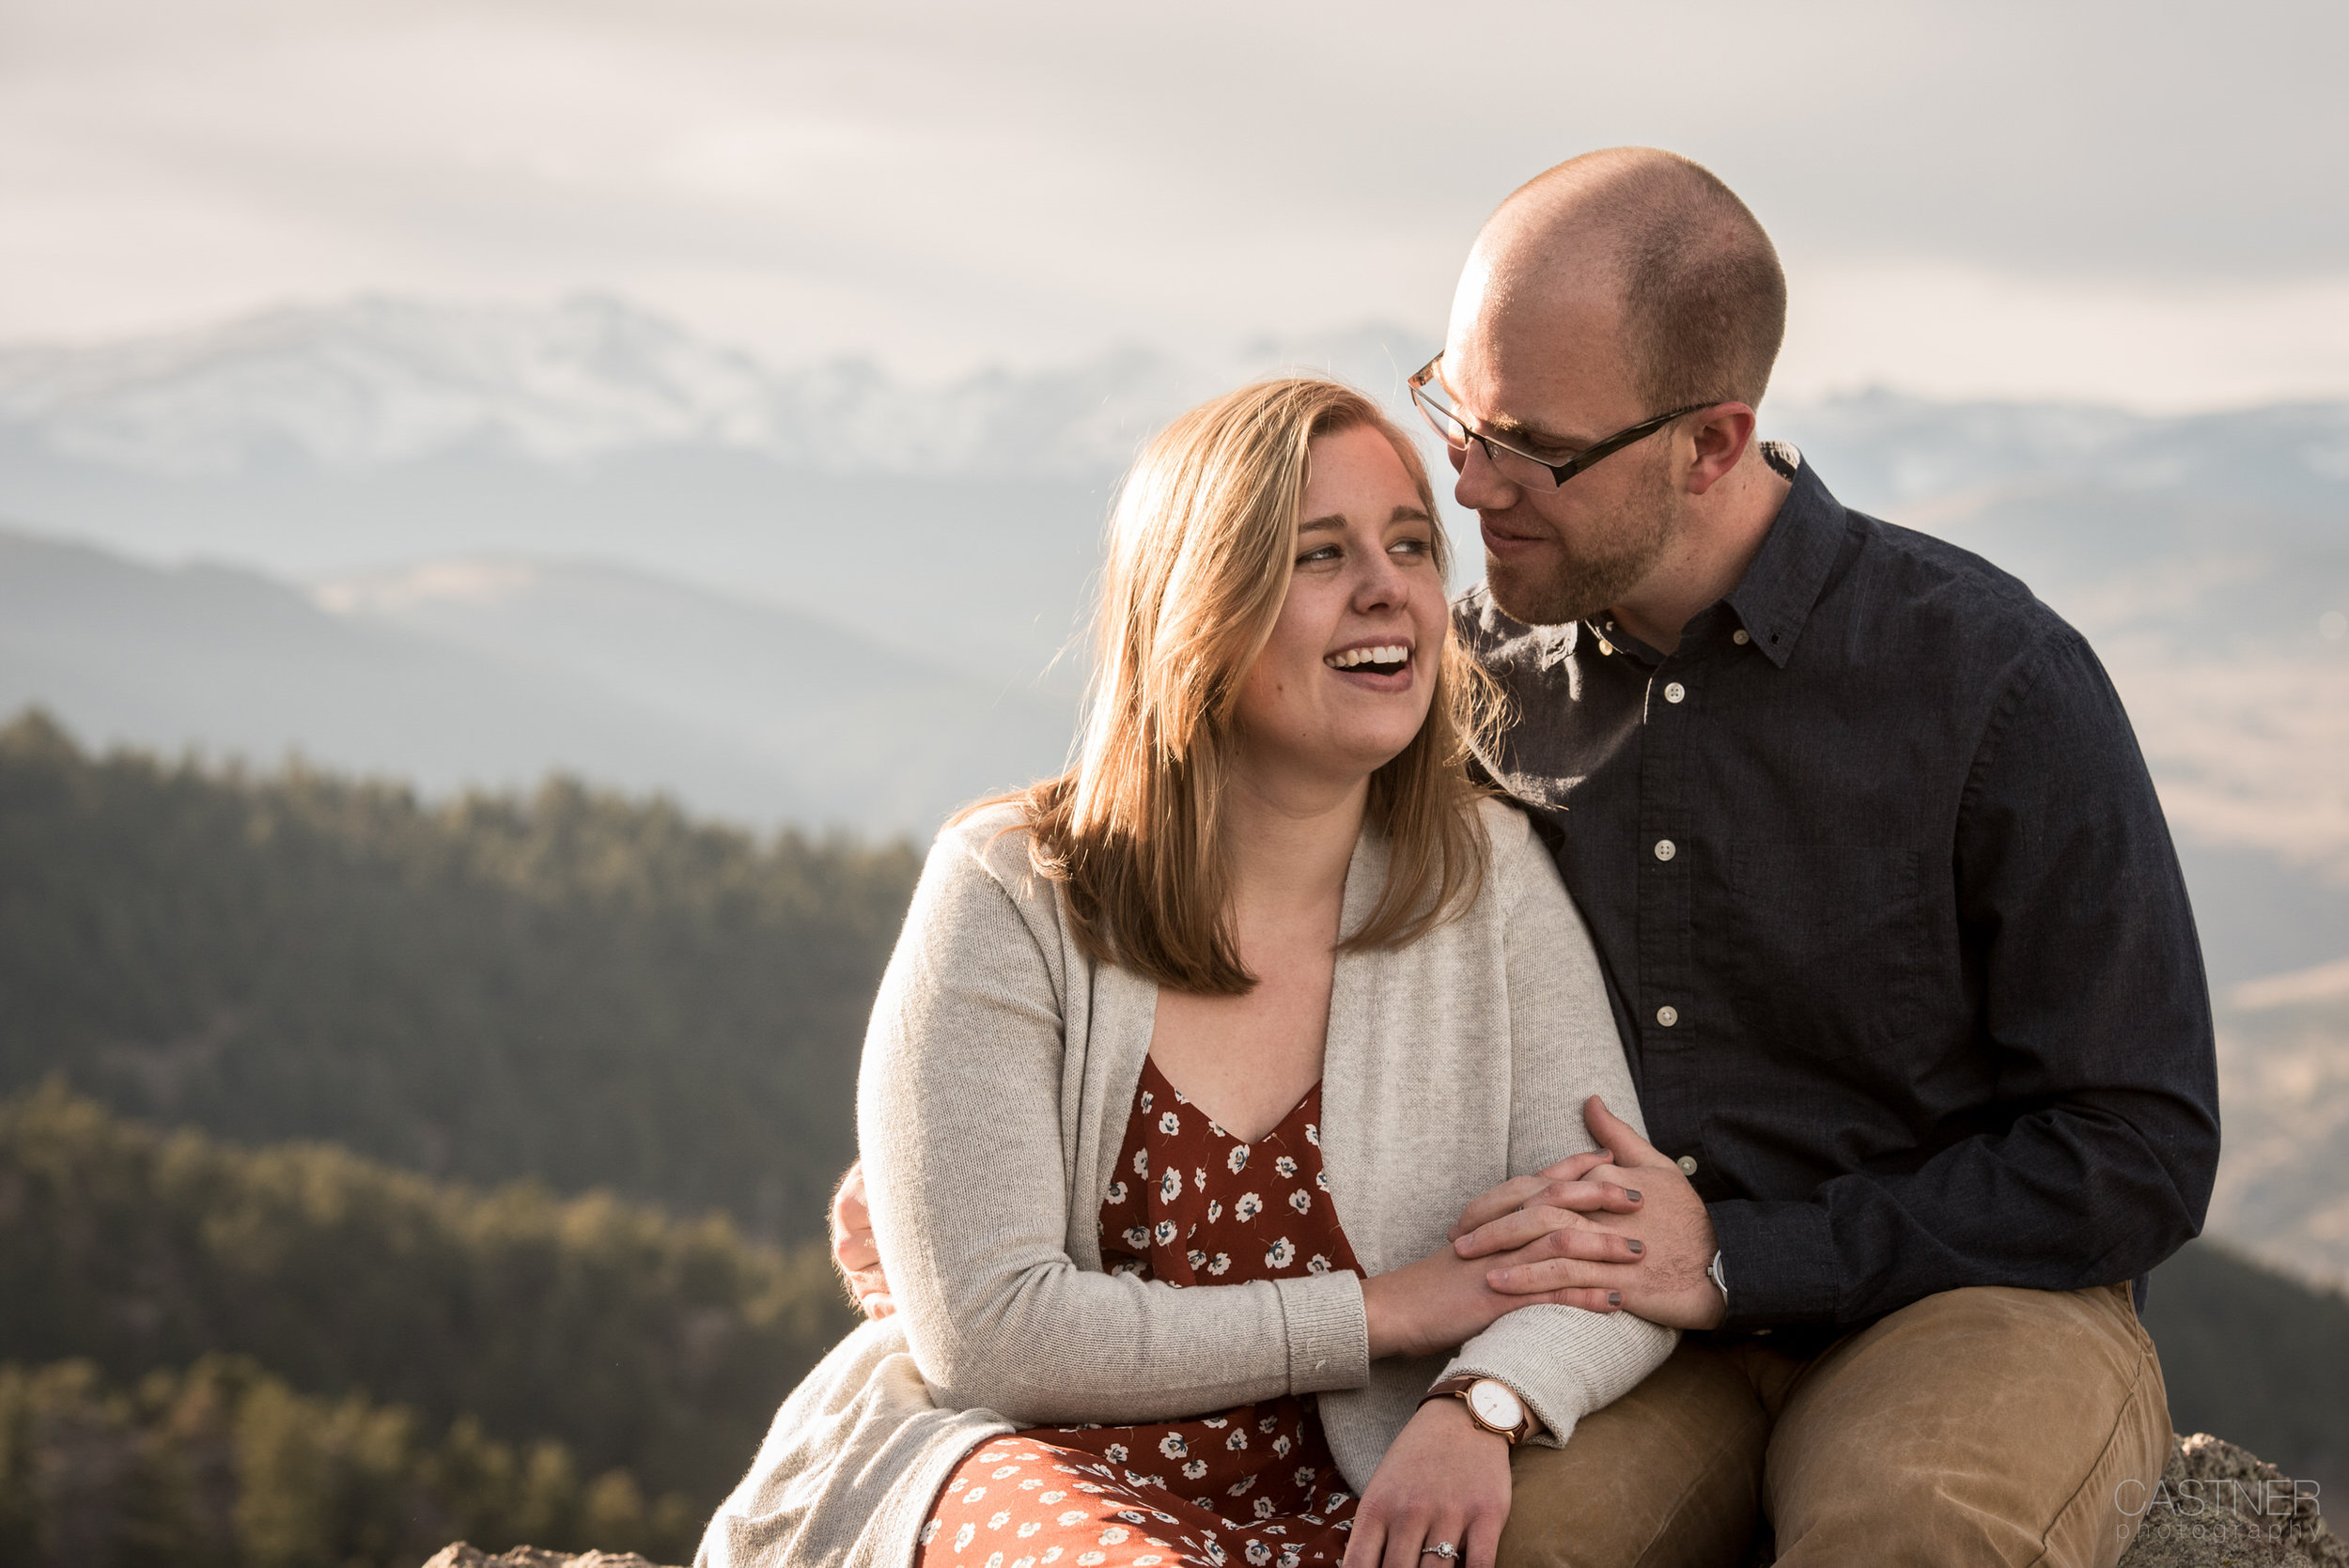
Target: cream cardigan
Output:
[(998, 1074)]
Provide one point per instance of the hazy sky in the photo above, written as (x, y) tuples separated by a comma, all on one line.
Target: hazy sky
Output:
[(2141, 202)]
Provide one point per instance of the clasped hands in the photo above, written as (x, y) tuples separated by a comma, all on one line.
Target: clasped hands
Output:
[(1618, 1229)]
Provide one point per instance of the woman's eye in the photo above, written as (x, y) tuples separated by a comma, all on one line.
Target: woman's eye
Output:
[(1326, 552), (1413, 546)]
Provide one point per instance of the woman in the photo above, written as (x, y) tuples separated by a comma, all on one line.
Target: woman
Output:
[(1188, 1058)]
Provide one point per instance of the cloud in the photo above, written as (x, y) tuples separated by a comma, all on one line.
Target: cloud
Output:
[(948, 184)]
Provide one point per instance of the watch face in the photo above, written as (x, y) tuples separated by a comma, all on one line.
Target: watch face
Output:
[(1495, 1405)]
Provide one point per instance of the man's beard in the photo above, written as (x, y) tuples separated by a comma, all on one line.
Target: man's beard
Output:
[(1584, 582)]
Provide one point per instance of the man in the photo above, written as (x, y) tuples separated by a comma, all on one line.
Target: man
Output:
[(1897, 941)]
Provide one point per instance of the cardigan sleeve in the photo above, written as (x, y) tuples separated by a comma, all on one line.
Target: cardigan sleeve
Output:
[(1563, 1361), (960, 1122)]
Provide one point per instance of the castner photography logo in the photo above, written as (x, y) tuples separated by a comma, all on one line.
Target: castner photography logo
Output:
[(2216, 1508)]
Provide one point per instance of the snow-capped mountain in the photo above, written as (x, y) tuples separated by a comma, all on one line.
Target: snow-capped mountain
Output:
[(381, 382)]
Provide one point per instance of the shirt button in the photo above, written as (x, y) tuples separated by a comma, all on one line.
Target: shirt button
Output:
[(1666, 849), (1688, 1165), (1667, 1015), (1674, 693), (1739, 638), (1606, 646)]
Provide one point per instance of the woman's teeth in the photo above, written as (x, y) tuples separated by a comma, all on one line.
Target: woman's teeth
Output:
[(1394, 654)]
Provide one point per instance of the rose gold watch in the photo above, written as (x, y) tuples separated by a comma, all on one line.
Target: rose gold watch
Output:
[(1491, 1404)]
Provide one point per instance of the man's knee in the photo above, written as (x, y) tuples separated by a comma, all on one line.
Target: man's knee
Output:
[(1986, 1425), (1668, 1475)]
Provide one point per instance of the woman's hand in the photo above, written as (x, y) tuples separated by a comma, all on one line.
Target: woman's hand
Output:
[(1445, 1300), (1444, 1481)]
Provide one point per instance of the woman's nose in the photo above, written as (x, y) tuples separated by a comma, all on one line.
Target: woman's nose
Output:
[(1383, 583)]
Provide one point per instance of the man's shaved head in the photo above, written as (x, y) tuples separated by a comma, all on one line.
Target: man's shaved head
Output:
[(1700, 295)]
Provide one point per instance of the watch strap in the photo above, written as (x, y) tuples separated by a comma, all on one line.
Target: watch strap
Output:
[(1457, 1386)]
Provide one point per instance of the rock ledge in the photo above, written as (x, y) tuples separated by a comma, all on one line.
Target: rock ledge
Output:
[(2218, 1506)]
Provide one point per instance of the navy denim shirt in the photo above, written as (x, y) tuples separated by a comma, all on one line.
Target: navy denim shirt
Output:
[(1895, 934)]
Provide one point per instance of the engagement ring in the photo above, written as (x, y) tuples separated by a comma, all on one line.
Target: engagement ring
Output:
[(1442, 1548)]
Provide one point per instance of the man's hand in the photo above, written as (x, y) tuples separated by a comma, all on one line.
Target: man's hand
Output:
[(853, 1248), (1445, 1480), (1671, 1231)]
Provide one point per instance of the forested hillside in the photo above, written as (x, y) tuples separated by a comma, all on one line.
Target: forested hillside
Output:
[(587, 989), (524, 1366)]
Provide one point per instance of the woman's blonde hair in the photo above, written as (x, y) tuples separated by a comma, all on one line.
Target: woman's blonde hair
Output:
[(1201, 549)]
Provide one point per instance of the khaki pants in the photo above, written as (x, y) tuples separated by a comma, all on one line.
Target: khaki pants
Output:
[(1978, 1426)]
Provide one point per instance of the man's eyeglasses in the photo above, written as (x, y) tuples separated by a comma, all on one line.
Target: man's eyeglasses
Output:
[(1514, 463)]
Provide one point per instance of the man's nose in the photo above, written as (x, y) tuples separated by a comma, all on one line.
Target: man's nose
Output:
[(1482, 487)]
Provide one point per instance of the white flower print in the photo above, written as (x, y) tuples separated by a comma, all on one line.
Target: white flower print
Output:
[(975, 1494), (1030, 1529), (995, 1559), (1173, 1446), (1238, 1158), (1170, 1123), (1281, 1447), (1117, 1194), (1305, 1474), (1222, 1260), (1215, 1210), (930, 1532), (1137, 1237), (1149, 1560), (1241, 1487), (1170, 1186), (1128, 1515), (1113, 1536), (1312, 1135), (1317, 1264), (1003, 1517), (1282, 1255), (1051, 1553), (1030, 1485), (1218, 1423), (1216, 1554), (1321, 1180), (1284, 1166), (1003, 1472), (1238, 1440), (1086, 1559), (1301, 1199), (1072, 1516), (1258, 1552), (963, 1536), (1165, 1232), (1114, 1453), (1148, 1097), (1050, 1497), (1199, 1179), (1264, 1508), (1142, 1162), (1268, 1424), (1194, 1469), (1249, 1206), (1195, 1257)]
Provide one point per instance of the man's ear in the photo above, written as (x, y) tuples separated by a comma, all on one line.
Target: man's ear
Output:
[(1722, 438)]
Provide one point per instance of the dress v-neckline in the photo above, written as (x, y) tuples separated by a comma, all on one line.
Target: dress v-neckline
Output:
[(1150, 1068)]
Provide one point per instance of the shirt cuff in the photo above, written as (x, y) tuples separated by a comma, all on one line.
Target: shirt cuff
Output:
[(1778, 1261), (1328, 1330)]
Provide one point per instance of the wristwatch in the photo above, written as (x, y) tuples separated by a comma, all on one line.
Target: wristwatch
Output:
[(1491, 1404), (1720, 1280)]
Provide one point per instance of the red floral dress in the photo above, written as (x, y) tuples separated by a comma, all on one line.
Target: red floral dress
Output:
[(1192, 1205)]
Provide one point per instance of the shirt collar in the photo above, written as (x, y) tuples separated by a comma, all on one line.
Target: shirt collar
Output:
[(1782, 584)]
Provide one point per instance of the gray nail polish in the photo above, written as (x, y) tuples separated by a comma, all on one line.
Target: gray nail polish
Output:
[(1637, 1247), (1632, 1193), (1614, 1298)]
